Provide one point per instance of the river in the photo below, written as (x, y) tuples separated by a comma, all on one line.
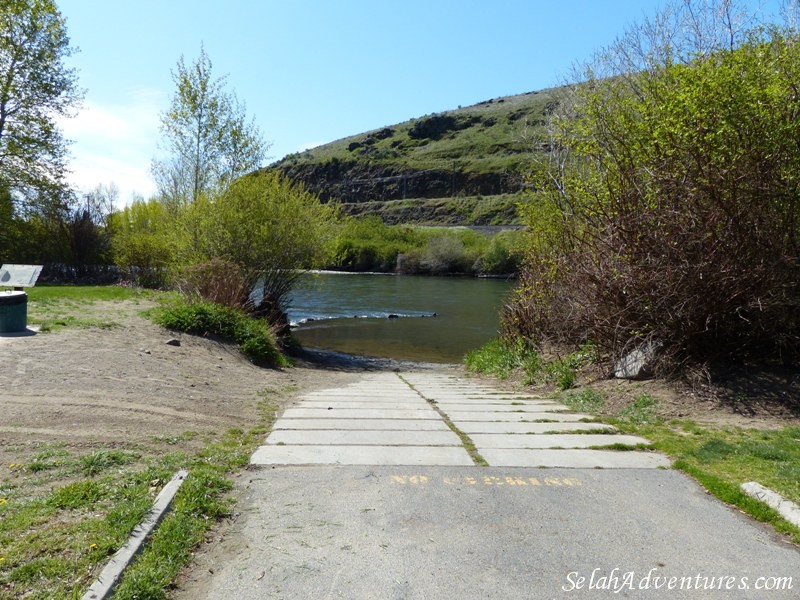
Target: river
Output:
[(421, 318)]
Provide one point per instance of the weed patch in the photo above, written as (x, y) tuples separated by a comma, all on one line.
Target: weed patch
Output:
[(48, 460), (642, 410), (584, 401), (100, 460), (501, 358), (80, 494)]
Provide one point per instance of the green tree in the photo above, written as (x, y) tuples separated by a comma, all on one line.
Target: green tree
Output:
[(88, 227), (143, 242), (8, 226), (675, 187), (36, 87), (268, 227), (207, 137)]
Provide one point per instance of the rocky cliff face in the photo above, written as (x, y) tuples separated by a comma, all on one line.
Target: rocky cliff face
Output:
[(352, 182)]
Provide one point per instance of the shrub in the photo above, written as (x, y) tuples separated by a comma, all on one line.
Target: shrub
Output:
[(367, 244), (673, 185), (269, 227), (142, 244), (410, 263), (433, 127), (442, 251), (445, 254), (503, 254), (217, 281), (207, 319)]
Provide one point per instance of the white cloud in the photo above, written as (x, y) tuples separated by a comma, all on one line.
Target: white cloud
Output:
[(115, 143)]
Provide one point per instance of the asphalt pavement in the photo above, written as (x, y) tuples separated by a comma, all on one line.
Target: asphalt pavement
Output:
[(370, 492)]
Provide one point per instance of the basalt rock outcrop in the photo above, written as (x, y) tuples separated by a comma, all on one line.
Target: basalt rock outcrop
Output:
[(353, 182)]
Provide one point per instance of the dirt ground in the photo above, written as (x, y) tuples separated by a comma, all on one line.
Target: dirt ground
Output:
[(124, 387), (736, 397), (748, 399)]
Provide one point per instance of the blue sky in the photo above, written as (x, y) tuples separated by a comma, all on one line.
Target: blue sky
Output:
[(312, 71)]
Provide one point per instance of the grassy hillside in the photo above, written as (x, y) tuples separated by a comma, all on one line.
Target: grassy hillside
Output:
[(476, 154)]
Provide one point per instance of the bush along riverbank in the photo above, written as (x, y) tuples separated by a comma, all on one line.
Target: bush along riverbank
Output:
[(366, 244), (253, 335)]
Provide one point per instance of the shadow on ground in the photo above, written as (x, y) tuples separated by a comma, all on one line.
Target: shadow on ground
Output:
[(751, 392), (339, 361)]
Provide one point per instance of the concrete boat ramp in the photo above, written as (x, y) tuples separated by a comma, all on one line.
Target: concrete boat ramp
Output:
[(422, 485), (425, 419)]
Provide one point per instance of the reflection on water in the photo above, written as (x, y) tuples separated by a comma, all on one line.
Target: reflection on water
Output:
[(351, 313)]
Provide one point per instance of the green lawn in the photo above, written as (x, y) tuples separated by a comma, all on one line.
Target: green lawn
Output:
[(52, 307), (83, 293)]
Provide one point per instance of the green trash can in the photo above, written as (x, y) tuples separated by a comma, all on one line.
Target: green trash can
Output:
[(13, 312)]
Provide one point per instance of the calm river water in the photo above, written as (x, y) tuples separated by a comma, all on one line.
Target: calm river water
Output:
[(392, 316)]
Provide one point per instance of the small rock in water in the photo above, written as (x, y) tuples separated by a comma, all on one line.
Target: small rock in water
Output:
[(393, 316), (173, 342)]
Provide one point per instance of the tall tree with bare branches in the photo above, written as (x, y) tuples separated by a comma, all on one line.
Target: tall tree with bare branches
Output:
[(207, 138)]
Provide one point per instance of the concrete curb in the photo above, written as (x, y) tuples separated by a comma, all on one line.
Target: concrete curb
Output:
[(111, 574), (786, 508)]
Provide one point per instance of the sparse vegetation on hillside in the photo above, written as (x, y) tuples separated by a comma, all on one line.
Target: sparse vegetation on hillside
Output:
[(496, 210), (446, 158), (488, 137)]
